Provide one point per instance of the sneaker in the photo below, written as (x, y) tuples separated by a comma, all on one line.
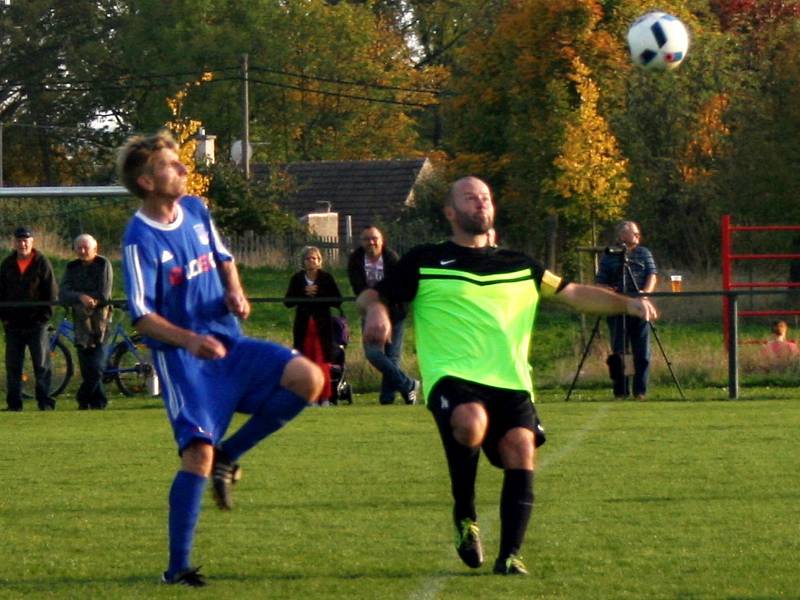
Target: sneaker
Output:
[(412, 395), (224, 474), (511, 565), (468, 543), (191, 578)]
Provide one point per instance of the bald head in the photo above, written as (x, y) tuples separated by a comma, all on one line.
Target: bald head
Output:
[(470, 210), (457, 187)]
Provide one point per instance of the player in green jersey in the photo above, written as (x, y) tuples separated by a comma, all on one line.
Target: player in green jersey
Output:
[(474, 307)]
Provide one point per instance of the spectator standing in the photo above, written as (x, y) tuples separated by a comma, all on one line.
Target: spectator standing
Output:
[(313, 327), (628, 268), (86, 290), (366, 267), (26, 275)]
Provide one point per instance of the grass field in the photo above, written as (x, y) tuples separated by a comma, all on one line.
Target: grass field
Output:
[(663, 499)]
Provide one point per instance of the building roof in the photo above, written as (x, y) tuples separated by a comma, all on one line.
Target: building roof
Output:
[(369, 191)]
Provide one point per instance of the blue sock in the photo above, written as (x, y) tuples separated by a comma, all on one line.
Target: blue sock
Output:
[(279, 409), (184, 510)]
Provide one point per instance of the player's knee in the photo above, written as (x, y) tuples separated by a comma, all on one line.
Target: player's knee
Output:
[(197, 458), (516, 449), (469, 422), (303, 377)]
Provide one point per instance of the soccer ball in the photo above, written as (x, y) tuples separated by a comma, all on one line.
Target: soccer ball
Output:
[(658, 40)]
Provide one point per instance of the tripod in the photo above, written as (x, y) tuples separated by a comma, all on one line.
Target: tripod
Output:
[(626, 272)]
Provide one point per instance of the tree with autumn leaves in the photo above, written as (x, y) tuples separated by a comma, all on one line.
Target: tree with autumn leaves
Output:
[(537, 96)]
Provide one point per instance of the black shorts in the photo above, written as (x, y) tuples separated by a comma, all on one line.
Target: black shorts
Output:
[(506, 410)]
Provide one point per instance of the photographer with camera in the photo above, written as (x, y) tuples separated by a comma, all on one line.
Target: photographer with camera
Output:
[(628, 268)]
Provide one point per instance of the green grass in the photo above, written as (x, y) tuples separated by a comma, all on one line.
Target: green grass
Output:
[(662, 499)]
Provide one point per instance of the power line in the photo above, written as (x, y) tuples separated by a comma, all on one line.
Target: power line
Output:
[(362, 83), (87, 89), (153, 80), (289, 86)]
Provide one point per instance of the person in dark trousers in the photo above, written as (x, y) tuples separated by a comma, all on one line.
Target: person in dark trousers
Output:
[(474, 308), (86, 289), (368, 265), (629, 269), (312, 330), (27, 276)]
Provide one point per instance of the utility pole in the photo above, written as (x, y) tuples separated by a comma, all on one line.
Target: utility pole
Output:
[(245, 118), (1, 154)]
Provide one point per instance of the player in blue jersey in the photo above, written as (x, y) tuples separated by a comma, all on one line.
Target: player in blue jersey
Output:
[(184, 296)]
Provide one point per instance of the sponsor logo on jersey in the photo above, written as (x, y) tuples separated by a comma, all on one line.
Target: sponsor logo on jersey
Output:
[(166, 256), (202, 233), (444, 403), (197, 266), (447, 261)]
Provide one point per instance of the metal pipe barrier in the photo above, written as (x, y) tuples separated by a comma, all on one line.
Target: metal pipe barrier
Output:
[(732, 314)]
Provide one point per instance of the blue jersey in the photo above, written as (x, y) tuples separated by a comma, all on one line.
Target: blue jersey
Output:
[(171, 270)]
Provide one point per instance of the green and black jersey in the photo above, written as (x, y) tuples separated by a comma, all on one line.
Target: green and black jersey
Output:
[(474, 311)]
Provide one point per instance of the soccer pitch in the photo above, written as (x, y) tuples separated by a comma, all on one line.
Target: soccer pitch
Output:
[(685, 500)]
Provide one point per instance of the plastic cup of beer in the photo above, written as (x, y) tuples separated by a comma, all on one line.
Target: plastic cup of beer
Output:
[(677, 282)]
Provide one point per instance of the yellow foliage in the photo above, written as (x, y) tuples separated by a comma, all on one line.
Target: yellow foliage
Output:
[(184, 130), (591, 172), (704, 145)]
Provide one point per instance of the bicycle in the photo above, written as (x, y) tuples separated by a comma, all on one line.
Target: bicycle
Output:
[(126, 361)]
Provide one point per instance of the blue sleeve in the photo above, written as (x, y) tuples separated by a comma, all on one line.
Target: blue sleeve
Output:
[(221, 252), (140, 269)]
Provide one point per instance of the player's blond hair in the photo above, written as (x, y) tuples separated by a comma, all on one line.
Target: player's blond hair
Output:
[(133, 159)]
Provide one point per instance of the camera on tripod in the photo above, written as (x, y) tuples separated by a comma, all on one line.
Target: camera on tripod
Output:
[(618, 249)]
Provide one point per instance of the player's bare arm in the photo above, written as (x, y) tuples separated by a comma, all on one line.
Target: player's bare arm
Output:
[(202, 346), (377, 325), (600, 300), (235, 299)]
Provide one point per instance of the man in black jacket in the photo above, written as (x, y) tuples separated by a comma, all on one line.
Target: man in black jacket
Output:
[(26, 275), (366, 267), (86, 289)]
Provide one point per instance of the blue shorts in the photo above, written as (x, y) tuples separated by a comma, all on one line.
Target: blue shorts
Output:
[(201, 396)]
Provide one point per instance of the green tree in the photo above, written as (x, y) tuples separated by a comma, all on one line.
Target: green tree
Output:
[(43, 46), (242, 206)]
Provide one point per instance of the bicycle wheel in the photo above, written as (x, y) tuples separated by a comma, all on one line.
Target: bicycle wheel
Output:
[(131, 366), (62, 371)]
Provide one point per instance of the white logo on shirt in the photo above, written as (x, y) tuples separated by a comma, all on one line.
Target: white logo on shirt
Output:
[(202, 233), (444, 403), (166, 256), (449, 261)]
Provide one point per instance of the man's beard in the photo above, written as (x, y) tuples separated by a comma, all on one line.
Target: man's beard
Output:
[(476, 224)]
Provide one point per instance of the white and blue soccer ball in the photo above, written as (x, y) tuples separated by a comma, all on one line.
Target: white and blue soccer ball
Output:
[(658, 40)]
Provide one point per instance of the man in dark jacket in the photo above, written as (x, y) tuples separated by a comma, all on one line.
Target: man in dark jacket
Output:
[(86, 289), (366, 267), (27, 276)]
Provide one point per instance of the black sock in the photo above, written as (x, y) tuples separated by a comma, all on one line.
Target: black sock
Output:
[(516, 506), (462, 463), (463, 471)]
